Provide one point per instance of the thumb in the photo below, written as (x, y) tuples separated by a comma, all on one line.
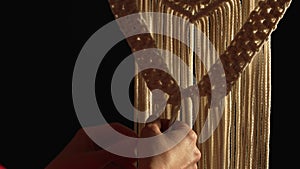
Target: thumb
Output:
[(152, 127)]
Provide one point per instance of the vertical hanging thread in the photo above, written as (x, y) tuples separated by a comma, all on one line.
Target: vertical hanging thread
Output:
[(241, 140)]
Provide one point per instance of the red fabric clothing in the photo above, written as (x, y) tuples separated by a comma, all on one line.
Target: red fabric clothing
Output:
[(1, 167)]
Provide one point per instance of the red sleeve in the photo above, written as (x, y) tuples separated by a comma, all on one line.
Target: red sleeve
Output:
[(1, 167)]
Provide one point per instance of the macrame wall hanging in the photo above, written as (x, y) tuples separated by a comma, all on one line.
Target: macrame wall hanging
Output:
[(239, 30)]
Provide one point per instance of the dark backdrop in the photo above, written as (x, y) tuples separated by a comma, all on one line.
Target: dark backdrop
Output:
[(37, 116)]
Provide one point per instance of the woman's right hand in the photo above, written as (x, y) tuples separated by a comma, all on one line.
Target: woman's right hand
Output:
[(184, 155)]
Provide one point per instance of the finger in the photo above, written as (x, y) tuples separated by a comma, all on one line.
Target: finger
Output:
[(192, 136), (197, 155), (152, 127), (163, 123), (178, 131), (123, 130), (153, 119), (192, 166)]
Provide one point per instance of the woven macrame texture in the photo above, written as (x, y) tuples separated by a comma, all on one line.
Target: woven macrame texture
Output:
[(239, 31)]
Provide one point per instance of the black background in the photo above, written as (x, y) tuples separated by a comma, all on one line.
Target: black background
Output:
[(37, 115)]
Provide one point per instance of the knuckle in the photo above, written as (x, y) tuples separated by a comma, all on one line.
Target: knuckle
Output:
[(154, 128), (198, 155), (150, 130), (192, 135)]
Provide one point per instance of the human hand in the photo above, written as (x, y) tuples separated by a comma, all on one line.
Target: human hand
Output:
[(83, 153), (184, 155)]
